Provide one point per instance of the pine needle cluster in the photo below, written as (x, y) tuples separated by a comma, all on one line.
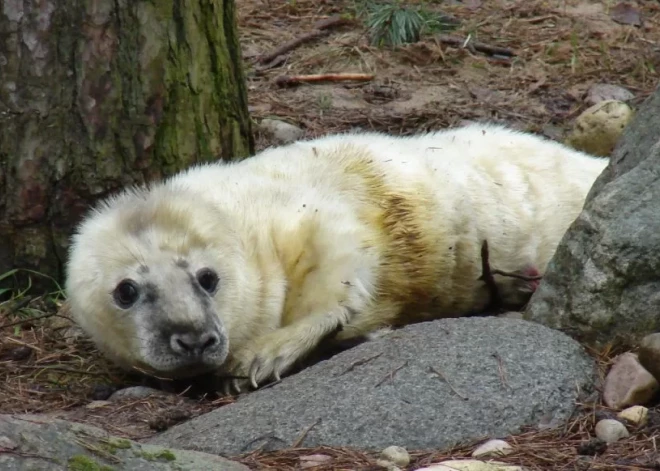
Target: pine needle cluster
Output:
[(393, 23)]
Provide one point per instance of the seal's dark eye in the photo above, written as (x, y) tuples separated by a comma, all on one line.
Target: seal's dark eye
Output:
[(207, 279), (126, 293)]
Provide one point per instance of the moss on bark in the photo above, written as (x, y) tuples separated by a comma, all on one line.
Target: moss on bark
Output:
[(99, 94)]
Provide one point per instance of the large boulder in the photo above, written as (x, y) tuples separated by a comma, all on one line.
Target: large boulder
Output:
[(426, 386), (36, 442), (603, 283)]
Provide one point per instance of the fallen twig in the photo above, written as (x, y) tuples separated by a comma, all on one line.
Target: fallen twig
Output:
[(303, 435), (283, 80), (487, 277), (500, 370), (288, 46), (322, 29), (336, 20), (17, 306), (475, 45), (391, 374), (442, 376), (27, 319), (359, 363)]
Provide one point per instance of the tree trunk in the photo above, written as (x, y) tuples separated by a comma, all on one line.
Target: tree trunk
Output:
[(99, 94)]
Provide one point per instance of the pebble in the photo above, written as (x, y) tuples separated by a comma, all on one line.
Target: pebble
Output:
[(610, 430), (628, 383), (102, 392), (437, 467), (97, 404), (598, 128), (492, 448), (310, 461), (595, 446), (636, 414), (281, 130), (7, 443), (388, 465), (649, 354), (17, 353), (471, 465), (396, 455), (134, 392)]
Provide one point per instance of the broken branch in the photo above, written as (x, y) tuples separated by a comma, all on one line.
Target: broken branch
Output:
[(442, 376), (475, 45), (288, 46), (391, 374), (359, 363), (322, 28), (284, 80), (487, 277)]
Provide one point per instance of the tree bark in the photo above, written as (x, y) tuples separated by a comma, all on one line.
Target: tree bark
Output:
[(99, 94)]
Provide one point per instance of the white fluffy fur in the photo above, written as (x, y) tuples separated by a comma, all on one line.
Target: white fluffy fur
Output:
[(354, 231)]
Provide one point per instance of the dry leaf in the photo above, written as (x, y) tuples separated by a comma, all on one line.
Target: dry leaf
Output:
[(472, 4), (626, 14)]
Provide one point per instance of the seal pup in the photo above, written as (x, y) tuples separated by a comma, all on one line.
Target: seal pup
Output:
[(244, 268)]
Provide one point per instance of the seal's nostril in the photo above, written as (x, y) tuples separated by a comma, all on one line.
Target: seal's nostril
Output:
[(212, 340), (183, 345)]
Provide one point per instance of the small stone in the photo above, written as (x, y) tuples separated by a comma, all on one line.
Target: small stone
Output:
[(636, 414), (598, 128), (605, 91), (310, 461), (437, 467), (396, 455), (492, 448), (610, 430), (74, 334), (593, 447), (282, 131), (649, 354), (388, 465), (97, 404), (17, 354), (628, 383), (134, 392), (474, 465), (102, 392), (7, 443)]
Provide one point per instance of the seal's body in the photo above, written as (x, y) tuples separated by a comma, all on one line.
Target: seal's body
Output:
[(246, 267)]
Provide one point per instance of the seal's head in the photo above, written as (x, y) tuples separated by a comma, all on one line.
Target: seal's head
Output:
[(152, 276)]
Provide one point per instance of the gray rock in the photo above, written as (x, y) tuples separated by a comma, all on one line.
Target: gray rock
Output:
[(38, 443), (649, 354), (605, 91), (603, 283), (282, 131), (628, 383), (425, 386), (610, 430)]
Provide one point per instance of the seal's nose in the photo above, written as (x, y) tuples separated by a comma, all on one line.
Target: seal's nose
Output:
[(194, 344)]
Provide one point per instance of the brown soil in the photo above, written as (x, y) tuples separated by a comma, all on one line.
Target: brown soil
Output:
[(560, 49)]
